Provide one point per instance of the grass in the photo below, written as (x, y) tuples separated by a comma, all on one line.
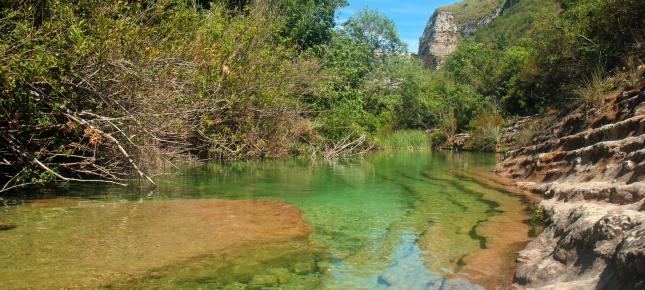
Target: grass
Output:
[(518, 21), (406, 139), (592, 92), (473, 10)]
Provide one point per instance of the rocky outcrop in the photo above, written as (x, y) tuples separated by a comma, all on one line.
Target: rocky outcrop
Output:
[(443, 31), (590, 168), (439, 38)]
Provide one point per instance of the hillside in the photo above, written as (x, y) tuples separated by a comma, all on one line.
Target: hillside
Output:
[(517, 20), (471, 14)]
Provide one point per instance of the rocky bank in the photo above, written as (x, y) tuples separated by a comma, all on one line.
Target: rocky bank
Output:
[(589, 167)]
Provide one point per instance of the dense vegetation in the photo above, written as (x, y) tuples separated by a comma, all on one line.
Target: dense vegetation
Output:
[(543, 54), (99, 90)]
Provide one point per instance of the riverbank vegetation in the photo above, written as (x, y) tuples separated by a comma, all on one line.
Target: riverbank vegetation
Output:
[(99, 90), (102, 90), (406, 140), (541, 56)]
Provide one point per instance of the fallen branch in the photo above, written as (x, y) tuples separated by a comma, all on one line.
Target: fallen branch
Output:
[(116, 142), (345, 148), (43, 166)]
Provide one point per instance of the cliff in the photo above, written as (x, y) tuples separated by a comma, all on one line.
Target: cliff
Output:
[(448, 24), (439, 38), (589, 166)]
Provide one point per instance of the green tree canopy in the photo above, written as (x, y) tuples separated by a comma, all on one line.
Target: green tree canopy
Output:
[(376, 30)]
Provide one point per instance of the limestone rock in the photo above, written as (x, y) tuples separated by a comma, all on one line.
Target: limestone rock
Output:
[(439, 38), (443, 31), (590, 170)]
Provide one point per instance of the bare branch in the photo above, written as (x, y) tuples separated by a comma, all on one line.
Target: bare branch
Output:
[(43, 166), (117, 143)]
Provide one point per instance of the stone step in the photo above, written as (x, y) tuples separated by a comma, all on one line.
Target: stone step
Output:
[(606, 191), (614, 131), (622, 159)]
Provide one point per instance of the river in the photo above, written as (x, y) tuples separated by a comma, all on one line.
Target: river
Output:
[(391, 220)]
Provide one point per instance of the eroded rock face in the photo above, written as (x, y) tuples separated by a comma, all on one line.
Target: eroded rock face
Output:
[(589, 166), (439, 38), (442, 33), (588, 246)]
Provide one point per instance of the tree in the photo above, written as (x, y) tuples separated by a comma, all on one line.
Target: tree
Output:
[(376, 30), (309, 22)]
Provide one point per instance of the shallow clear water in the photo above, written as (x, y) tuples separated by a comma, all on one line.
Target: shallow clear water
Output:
[(400, 220)]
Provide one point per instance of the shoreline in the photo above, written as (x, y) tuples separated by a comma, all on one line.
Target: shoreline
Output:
[(494, 266)]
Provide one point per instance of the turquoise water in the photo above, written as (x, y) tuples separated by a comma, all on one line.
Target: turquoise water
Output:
[(393, 220)]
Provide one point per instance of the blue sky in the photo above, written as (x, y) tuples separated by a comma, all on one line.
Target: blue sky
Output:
[(410, 16)]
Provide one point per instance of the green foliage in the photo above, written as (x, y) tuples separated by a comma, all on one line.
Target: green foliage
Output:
[(398, 84), (592, 92), (534, 55), (406, 139), (485, 131), (309, 23), (539, 220), (604, 30), (368, 81), (174, 78), (587, 35), (437, 138), (375, 30), (341, 103), (517, 23), (473, 10), (477, 65)]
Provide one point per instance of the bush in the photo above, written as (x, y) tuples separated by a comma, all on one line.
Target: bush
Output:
[(534, 55), (532, 129), (539, 220), (438, 138), (591, 94), (96, 89), (485, 131)]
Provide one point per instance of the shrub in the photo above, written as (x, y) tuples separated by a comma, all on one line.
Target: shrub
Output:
[(438, 138), (591, 94), (96, 89), (485, 131), (539, 220)]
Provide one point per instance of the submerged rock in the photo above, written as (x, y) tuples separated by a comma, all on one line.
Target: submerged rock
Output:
[(282, 275), (150, 243), (262, 281), (235, 286), (6, 227), (303, 268)]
